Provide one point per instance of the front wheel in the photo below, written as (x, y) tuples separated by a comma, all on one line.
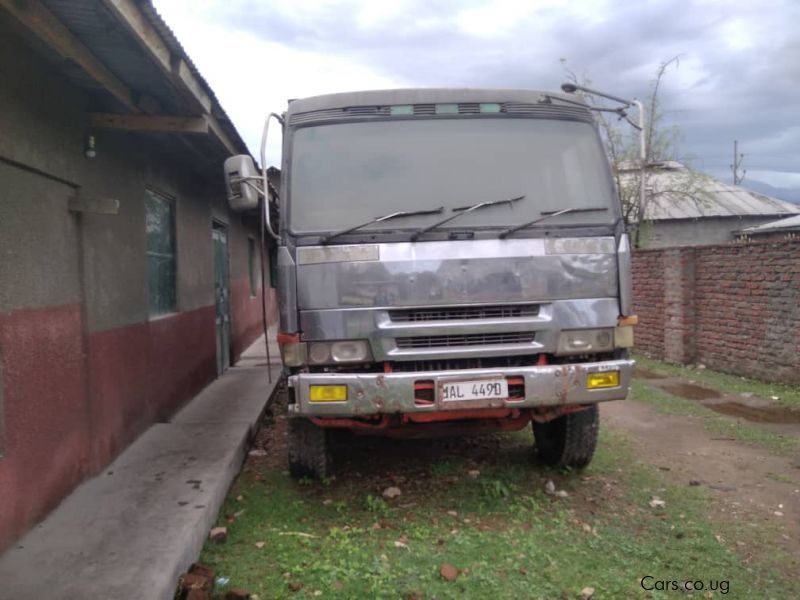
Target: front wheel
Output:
[(309, 449), (570, 440)]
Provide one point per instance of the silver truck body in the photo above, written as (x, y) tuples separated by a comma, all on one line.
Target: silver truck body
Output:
[(460, 304)]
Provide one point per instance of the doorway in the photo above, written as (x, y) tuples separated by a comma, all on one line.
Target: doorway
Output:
[(219, 235)]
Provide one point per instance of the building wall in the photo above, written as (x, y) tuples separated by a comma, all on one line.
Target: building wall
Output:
[(83, 368), (694, 232), (734, 308)]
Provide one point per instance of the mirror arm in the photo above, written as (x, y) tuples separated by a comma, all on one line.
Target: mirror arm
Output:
[(250, 182), (264, 180)]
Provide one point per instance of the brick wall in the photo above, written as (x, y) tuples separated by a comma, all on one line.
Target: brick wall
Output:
[(734, 308), (648, 284)]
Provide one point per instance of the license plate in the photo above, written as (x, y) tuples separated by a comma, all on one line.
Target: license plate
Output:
[(479, 389)]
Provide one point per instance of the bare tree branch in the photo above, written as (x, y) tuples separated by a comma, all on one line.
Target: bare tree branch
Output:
[(662, 145)]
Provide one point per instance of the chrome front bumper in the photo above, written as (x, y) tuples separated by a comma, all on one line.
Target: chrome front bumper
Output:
[(377, 393)]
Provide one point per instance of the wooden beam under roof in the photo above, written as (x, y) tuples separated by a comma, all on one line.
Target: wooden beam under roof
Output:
[(50, 29), (181, 71), (218, 132), (150, 123), (175, 67), (45, 25)]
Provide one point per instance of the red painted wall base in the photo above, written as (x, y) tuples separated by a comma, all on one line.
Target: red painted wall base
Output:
[(46, 447), (74, 402), (141, 373)]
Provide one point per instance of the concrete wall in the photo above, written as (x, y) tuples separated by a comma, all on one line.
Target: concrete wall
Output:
[(83, 369), (693, 232), (734, 308)]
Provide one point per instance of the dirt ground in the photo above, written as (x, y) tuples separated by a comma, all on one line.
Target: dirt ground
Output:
[(732, 505), (750, 485), (748, 406)]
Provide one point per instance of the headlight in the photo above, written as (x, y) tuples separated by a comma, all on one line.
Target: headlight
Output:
[(319, 353), (583, 341), (350, 351), (344, 351)]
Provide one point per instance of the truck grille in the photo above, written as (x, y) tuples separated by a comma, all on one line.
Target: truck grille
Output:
[(471, 339), (459, 313), (458, 364)]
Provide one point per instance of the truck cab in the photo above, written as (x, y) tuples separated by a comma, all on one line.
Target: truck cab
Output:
[(450, 261)]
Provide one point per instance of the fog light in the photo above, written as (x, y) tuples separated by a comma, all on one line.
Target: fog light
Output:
[(607, 379), (327, 393)]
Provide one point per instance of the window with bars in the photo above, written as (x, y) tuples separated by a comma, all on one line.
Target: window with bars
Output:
[(161, 267)]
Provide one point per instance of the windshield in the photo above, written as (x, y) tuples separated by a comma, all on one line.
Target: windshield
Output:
[(344, 174)]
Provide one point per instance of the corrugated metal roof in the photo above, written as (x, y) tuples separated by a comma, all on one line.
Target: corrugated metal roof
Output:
[(787, 224), (676, 192), (158, 22), (164, 30), (113, 44)]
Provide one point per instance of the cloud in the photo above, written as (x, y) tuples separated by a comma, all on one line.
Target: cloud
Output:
[(738, 78), (253, 76), (776, 178)]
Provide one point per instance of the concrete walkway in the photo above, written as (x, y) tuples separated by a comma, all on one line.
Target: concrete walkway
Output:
[(131, 531)]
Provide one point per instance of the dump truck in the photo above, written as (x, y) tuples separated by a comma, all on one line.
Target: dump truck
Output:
[(449, 262)]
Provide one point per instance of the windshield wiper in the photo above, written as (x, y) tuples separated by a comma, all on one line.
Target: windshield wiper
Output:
[(460, 212), (436, 211), (549, 214)]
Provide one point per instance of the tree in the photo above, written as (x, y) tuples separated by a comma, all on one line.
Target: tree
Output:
[(623, 147)]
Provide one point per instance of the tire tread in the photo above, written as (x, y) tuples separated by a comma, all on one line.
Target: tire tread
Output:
[(309, 452), (575, 438)]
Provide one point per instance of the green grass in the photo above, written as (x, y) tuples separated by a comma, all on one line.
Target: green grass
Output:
[(508, 538), (713, 422), (780, 478), (788, 395)]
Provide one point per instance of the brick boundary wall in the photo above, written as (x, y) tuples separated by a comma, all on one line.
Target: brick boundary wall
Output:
[(734, 308)]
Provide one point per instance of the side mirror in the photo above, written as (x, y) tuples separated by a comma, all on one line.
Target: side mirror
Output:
[(242, 183)]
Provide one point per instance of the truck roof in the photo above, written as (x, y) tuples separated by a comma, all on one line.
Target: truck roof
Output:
[(422, 96)]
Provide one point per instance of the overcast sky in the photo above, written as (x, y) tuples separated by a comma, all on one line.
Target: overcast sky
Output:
[(738, 78)]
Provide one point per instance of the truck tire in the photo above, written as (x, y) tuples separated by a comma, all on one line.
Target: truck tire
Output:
[(309, 449), (570, 440)]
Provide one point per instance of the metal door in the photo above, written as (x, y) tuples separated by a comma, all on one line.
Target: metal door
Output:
[(222, 296)]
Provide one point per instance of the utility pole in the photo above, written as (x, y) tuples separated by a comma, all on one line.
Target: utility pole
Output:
[(737, 164)]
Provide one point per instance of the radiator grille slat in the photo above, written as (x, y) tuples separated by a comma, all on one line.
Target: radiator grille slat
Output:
[(462, 313), (469, 108), (469, 339), (459, 364)]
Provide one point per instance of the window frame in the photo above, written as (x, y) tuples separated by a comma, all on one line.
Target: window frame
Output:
[(153, 311)]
